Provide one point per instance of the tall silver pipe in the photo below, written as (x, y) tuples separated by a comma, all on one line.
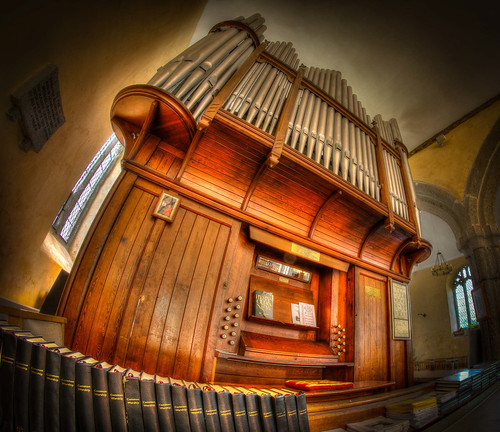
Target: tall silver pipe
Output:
[(395, 130), (300, 114), (281, 102), (330, 120), (312, 134), (250, 97), (308, 112), (262, 88), (271, 100), (337, 131), (219, 74), (166, 70), (218, 84), (249, 83), (189, 64), (237, 90)]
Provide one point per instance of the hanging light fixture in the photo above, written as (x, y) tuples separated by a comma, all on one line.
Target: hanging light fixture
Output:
[(441, 267)]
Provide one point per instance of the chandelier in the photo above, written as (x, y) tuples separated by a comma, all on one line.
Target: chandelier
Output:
[(441, 267)]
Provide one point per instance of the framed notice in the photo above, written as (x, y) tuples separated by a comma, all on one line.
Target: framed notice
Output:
[(400, 299)]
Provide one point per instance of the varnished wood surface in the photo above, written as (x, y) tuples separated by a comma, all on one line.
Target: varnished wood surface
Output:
[(153, 295), (260, 345)]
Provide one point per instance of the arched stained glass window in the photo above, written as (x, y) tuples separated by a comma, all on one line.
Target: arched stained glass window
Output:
[(462, 290)]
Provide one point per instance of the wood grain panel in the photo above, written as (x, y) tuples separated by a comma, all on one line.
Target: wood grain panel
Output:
[(382, 245), (77, 284), (119, 232), (192, 318), (201, 332), (261, 374), (152, 315), (371, 349), (121, 271)]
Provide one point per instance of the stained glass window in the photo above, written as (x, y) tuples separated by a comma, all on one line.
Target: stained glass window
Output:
[(462, 289)]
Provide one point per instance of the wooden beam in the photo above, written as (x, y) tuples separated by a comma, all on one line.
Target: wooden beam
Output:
[(258, 175), (382, 175), (189, 153), (372, 231), (333, 197), (281, 128)]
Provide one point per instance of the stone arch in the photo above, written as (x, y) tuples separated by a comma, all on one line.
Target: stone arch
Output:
[(483, 183), (438, 201), (482, 240)]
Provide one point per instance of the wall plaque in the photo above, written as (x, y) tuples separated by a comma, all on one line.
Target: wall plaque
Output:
[(401, 326), (38, 108)]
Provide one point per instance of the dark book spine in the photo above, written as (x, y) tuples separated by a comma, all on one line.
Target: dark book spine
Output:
[(67, 404), (195, 407), (291, 413), (267, 413), (164, 406), (36, 387), (253, 412), (83, 397), (21, 385), (225, 412), (7, 368), (100, 397), (212, 422), (148, 401), (117, 402), (302, 412), (133, 404), (280, 413), (51, 391), (181, 414), (240, 413)]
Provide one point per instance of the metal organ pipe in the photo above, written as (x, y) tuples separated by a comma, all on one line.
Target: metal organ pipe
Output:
[(316, 129)]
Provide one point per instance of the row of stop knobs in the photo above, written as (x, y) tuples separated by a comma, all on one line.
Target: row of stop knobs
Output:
[(231, 317), (337, 339)]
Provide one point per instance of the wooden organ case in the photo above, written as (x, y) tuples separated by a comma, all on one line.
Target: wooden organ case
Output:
[(284, 187)]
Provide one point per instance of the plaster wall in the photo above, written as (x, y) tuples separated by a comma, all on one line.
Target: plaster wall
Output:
[(448, 166), (432, 335), (99, 48)]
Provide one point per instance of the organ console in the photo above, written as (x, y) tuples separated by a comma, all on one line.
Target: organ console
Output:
[(268, 158)]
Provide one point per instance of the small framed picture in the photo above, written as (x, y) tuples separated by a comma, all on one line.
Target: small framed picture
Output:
[(167, 206)]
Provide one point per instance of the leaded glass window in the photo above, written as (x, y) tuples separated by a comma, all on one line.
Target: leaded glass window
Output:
[(71, 214), (464, 305)]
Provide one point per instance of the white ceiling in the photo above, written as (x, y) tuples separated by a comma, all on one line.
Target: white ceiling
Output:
[(426, 63), (439, 233)]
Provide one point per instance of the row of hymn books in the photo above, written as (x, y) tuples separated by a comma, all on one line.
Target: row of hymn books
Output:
[(45, 387)]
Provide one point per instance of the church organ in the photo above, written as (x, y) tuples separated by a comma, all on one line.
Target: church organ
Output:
[(285, 187)]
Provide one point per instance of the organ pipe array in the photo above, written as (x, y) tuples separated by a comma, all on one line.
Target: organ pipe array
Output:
[(344, 144)]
